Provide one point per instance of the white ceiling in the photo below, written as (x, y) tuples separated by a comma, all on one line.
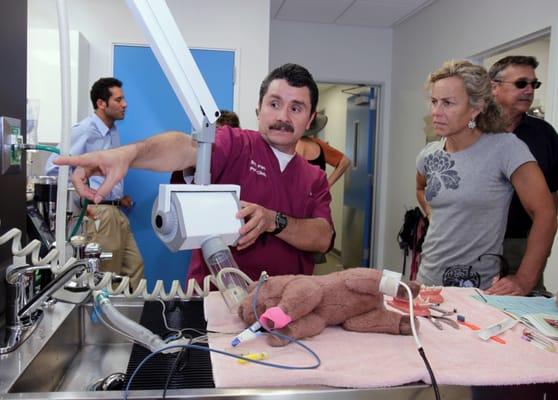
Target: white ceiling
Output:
[(371, 13)]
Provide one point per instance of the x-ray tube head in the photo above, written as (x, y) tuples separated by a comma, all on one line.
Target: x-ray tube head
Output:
[(183, 216)]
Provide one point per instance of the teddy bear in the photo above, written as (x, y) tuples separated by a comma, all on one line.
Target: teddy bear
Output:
[(302, 306)]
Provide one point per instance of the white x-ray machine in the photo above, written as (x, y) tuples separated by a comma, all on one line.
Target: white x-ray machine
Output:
[(184, 215)]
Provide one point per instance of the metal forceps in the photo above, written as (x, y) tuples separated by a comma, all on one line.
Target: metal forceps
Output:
[(443, 317)]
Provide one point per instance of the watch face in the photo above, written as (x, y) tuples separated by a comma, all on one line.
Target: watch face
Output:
[(281, 221)]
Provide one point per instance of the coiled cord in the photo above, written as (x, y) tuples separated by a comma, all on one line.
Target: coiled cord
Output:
[(33, 249), (193, 289)]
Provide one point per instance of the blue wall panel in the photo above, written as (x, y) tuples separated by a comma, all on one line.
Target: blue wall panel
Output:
[(152, 108)]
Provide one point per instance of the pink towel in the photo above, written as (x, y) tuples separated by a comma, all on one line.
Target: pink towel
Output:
[(367, 360)]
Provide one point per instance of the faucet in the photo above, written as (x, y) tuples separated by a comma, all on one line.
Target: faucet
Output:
[(59, 281), (23, 314)]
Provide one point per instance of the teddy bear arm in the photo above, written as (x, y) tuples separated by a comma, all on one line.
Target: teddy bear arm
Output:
[(268, 296), (309, 325), (246, 308)]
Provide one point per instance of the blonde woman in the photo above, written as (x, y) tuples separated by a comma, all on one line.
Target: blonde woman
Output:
[(465, 184)]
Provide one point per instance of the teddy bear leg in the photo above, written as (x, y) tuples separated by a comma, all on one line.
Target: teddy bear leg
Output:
[(405, 325), (379, 321), (307, 326)]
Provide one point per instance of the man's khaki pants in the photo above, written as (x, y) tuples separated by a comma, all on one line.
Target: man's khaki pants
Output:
[(114, 235)]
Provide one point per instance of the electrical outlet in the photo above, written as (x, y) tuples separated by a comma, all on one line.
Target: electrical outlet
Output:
[(11, 143)]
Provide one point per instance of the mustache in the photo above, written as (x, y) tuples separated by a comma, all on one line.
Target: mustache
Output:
[(528, 98), (282, 125)]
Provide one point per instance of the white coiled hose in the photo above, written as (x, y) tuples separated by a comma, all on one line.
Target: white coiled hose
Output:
[(192, 287)]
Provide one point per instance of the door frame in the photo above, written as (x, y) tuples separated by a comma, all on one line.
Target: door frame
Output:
[(236, 51), (551, 101), (381, 150)]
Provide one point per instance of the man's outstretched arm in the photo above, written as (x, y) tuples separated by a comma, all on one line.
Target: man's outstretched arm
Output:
[(165, 152)]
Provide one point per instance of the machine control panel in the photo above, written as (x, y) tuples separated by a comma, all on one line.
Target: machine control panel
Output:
[(11, 142)]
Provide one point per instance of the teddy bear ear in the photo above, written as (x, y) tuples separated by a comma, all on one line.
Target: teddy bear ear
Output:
[(363, 280)]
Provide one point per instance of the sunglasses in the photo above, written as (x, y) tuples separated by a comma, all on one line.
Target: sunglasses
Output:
[(522, 83)]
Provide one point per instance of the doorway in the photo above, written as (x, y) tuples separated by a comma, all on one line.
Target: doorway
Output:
[(349, 107)]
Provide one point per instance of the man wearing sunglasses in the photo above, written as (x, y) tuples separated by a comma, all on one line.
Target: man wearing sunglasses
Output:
[(513, 85)]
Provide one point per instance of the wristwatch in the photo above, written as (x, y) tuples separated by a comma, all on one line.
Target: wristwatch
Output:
[(280, 223)]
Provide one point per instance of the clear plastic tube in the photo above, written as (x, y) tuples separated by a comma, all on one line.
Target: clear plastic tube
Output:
[(43, 147), (218, 256), (128, 327)]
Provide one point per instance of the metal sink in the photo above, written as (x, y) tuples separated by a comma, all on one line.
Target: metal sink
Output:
[(69, 352)]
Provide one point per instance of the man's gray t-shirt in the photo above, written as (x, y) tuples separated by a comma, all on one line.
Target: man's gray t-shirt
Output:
[(469, 193)]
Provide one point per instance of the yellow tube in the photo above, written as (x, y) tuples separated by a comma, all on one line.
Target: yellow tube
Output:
[(253, 356)]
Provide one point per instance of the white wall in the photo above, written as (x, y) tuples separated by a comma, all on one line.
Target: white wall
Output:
[(43, 79), (343, 54), (444, 30), (240, 25)]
